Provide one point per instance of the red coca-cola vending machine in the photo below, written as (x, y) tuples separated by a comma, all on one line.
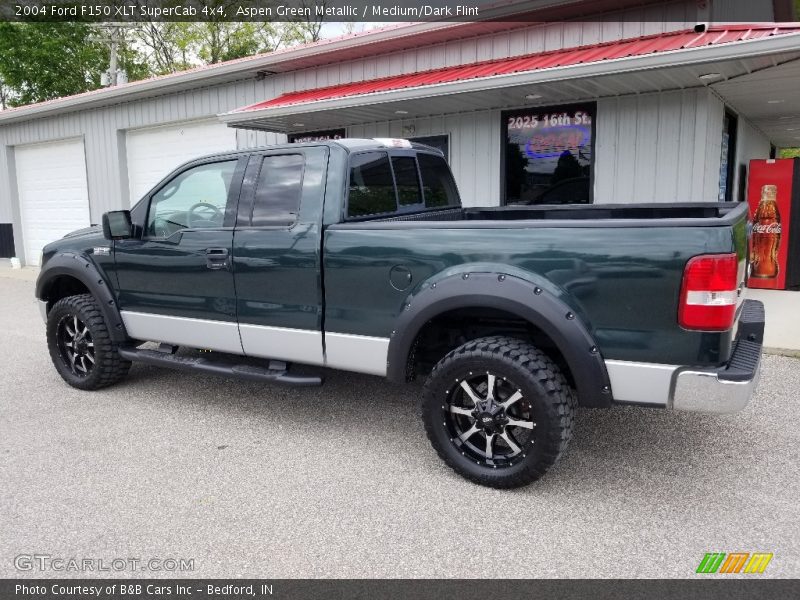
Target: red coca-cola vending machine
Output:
[(773, 192)]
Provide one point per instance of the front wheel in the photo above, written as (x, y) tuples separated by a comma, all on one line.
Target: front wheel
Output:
[(498, 411), (80, 345)]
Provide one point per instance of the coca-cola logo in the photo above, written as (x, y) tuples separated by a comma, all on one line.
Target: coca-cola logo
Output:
[(766, 228)]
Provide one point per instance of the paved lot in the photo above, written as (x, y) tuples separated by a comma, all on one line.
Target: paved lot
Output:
[(341, 482)]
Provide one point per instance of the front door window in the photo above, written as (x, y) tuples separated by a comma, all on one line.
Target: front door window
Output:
[(197, 198)]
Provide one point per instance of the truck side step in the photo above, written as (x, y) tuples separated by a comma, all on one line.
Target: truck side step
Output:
[(277, 372)]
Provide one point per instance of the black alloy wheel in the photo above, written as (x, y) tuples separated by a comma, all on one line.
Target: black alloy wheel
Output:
[(75, 345), (498, 411), (490, 420), (80, 345)]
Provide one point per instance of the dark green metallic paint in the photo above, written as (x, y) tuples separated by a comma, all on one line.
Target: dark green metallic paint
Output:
[(624, 284), (171, 276)]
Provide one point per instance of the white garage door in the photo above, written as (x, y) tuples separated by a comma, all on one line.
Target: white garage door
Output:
[(53, 195), (154, 152)]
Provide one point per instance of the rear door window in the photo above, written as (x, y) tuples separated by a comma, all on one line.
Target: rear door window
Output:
[(278, 191), (437, 181), (371, 189)]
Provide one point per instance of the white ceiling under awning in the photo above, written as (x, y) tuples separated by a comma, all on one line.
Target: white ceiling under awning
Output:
[(770, 98), (744, 68)]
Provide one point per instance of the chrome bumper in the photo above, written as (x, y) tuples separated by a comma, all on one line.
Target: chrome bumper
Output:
[(727, 389)]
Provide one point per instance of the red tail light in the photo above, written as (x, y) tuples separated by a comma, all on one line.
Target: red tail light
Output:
[(709, 292)]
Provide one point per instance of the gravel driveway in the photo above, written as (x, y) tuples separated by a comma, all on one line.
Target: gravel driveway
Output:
[(340, 481)]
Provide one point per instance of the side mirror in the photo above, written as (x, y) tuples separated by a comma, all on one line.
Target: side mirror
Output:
[(117, 225)]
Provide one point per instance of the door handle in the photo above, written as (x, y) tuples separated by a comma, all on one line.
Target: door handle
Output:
[(217, 258)]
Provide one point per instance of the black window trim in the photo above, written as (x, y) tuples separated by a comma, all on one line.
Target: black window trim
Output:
[(404, 208), (407, 209), (590, 106), (231, 205)]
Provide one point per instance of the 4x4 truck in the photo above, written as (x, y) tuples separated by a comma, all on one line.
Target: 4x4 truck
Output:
[(357, 254)]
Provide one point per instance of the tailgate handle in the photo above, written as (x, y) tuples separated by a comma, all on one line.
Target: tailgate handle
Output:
[(217, 258)]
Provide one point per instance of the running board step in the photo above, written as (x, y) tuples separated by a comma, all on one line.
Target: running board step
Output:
[(203, 365)]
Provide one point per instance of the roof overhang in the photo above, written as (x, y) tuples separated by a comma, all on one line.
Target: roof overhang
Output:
[(769, 99), (674, 69)]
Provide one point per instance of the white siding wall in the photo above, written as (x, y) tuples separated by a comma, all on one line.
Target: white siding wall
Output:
[(661, 147), (8, 195), (475, 137), (741, 11), (104, 129), (658, 147), (750, 144)]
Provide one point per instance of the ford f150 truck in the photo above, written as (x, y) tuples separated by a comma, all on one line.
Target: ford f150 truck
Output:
[(357, 255)]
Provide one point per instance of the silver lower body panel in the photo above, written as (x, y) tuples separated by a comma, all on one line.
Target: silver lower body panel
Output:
[(42, 310)]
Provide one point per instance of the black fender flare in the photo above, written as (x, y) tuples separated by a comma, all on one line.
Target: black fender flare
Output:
[(536, 304), (77, 266)]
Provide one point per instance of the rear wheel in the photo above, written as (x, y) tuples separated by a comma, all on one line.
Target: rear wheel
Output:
[(80, 345), (498, 411)]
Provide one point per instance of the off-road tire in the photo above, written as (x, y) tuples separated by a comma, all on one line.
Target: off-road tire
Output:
[(549, 398), (109, 367)]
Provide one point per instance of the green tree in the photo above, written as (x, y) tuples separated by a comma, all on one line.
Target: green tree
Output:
[(41, 61), (167, 47), (171, 47), (5, 95)]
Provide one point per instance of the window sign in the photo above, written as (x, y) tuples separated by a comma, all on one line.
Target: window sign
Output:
[(549, 155), (317, 136)]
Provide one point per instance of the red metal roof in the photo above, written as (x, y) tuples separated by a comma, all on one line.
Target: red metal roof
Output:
[(641, 46)]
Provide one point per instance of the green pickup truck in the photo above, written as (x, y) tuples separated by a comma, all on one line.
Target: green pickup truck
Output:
[(357, 254)]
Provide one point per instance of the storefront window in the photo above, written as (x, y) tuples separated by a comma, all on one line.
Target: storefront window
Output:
[(549, 155)]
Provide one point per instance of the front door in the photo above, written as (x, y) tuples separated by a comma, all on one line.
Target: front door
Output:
[(176, 280)]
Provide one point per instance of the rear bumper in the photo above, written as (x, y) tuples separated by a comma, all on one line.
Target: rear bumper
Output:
[(727, 389)]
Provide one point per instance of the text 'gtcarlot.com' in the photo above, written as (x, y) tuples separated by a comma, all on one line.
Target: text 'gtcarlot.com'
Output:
[(47, 562)]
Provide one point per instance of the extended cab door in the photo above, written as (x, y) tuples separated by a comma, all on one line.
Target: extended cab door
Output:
[(276, 254), (176, 279)]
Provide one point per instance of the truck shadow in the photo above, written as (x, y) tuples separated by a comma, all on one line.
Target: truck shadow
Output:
[(611, 450)]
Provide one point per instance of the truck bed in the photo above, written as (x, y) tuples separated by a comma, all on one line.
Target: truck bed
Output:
[(621, 271), (616, 215)]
